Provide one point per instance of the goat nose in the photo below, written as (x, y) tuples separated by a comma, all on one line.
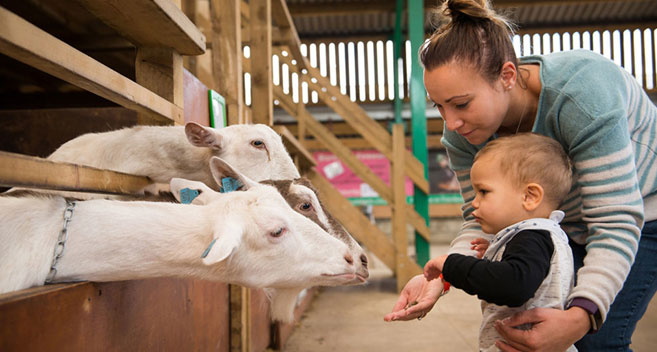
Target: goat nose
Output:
[(363, 260), (349, 259)]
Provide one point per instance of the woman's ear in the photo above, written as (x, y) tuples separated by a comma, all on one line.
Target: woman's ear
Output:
[(533, 196), (508, 75)]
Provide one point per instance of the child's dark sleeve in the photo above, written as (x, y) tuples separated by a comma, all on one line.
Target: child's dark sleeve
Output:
[(511, 281)]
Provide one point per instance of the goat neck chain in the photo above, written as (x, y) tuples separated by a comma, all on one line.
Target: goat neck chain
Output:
[(61, 241)]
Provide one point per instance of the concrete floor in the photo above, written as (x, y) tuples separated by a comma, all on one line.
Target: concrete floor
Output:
[(351, 319)]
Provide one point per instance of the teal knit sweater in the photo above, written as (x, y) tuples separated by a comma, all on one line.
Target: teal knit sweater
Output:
[(608, 126)]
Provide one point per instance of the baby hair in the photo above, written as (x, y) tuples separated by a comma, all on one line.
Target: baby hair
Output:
[(531, 157), (473, 33)]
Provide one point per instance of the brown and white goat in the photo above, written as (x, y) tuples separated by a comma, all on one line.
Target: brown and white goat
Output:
[(302, 196)]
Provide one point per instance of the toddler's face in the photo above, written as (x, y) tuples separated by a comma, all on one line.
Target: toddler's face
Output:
[(498, 200)]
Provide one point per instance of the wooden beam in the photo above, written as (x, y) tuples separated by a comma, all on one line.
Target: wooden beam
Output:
[(260, 20), (342, 128), (201, 65), (559, 28), (384, 7), (227, 56), (161, 71), (28, 44), (303, 157), (244, 11), (344, 9), (26, 171), (359, 143), (158, 23), (288, 32), (435, 211), (398, 184)]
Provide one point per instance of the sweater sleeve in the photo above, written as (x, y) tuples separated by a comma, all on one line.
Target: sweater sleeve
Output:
[(513, 280), (589, 115)]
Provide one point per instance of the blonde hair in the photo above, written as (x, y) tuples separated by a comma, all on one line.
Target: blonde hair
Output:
[(530, 157), (473, 33)]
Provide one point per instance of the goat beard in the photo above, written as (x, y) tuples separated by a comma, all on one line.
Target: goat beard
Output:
[(283, 301)]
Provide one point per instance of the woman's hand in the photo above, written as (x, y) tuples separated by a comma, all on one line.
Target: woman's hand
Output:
[(416, 299), (552, 330), (480, 245)]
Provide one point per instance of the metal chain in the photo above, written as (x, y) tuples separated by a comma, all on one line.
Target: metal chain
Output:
[(61, 241)]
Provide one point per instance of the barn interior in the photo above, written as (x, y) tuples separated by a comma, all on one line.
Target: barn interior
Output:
[(338, 75)]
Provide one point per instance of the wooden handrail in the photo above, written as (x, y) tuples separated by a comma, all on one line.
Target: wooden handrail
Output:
[(32, 172), (306, 160)]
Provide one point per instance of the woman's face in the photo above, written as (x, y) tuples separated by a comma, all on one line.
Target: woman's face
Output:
[(469, 104)]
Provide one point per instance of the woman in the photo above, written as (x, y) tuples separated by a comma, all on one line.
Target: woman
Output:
[(607, 125)]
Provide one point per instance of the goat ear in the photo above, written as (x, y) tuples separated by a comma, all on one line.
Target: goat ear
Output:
[(225, 241), (181, 189), (202, 136), (221, 169)]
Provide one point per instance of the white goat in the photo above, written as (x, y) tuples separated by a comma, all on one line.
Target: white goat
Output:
[(252, 237), (303, 198), (165, 152)]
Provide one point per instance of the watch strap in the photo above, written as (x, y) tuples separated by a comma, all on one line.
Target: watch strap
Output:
[(595, 318)]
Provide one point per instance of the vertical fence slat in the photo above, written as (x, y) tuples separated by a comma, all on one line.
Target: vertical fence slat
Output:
[(653, 44)]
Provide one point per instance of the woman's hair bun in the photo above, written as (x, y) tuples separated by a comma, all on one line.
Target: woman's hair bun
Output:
[(467, 10)]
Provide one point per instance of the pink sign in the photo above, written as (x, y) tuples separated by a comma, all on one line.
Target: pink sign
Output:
[(350, 185)]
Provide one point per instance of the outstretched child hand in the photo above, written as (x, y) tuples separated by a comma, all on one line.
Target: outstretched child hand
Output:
[(480, 245), (434, 267)]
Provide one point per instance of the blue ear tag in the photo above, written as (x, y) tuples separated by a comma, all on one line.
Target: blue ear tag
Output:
[(187, 195), (229, 184), (207, 250)]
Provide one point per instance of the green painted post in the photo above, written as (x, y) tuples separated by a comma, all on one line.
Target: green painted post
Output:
[(418, 118), (396, 43)]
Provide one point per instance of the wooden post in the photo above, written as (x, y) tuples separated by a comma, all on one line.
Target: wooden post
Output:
[(161, 71), (201, 65), (399, 235), (261, 80), (227, 56), (302, 127), (239, 322)]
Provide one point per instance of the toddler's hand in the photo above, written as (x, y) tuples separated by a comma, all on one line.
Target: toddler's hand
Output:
[(480, 245), (434, 268)]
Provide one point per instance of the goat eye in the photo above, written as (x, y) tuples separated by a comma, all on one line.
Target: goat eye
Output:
[(258, 143), (277, 233), (305, 206)]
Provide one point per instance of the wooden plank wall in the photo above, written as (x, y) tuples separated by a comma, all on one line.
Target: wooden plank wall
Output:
[(147, 315)]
